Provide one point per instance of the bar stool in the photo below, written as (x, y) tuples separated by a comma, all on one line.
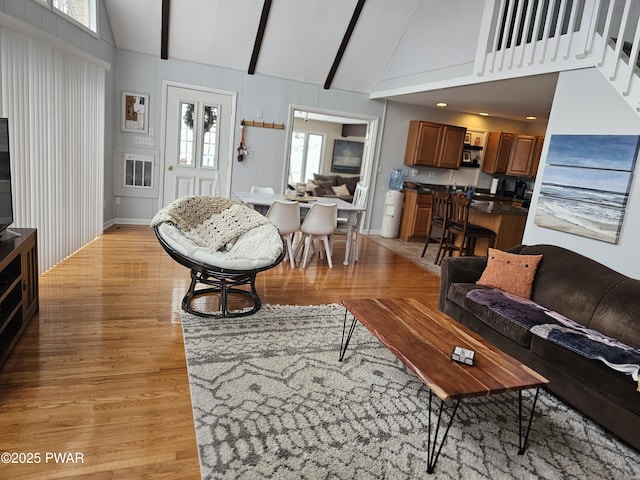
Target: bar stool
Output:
[(459, 225), (440, 206)]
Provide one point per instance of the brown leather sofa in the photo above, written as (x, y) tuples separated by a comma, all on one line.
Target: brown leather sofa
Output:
[(581, 289)]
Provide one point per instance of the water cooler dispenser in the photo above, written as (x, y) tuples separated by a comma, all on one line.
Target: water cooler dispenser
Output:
[(393, 205)]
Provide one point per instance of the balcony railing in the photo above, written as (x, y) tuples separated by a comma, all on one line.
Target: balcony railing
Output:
[(530, 37)]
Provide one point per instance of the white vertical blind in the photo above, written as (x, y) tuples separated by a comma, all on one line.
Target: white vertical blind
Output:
[(55, 105)]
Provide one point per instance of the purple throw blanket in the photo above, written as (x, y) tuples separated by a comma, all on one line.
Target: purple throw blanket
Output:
[(560, 330)]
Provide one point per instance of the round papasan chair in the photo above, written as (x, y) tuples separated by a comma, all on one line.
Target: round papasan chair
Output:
[(224, 243)]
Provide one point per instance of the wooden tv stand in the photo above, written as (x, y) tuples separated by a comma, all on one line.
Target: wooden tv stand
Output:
[(18, 285)]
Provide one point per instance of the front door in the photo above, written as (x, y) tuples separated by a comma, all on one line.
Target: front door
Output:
[(198, 137)]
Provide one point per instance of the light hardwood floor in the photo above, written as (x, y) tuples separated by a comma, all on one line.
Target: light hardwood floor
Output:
[(101, 369)]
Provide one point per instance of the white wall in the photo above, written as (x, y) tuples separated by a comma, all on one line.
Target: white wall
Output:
[(271, 96), (585, 103), (439, 43)]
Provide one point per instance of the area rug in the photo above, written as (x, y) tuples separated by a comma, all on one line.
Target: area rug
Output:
[(271, 400)]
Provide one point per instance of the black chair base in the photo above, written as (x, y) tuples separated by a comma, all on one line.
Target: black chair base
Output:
[(223, 285), (223, 282)]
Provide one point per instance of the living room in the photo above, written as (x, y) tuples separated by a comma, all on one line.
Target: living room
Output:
[(584, 103)]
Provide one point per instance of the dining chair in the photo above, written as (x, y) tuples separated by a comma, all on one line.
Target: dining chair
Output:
[(359, 200), (459, 226), (319, 223), (286, 216), (440, 206), (255, 189)]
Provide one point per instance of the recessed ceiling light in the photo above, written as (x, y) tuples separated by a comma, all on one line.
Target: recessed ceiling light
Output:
[(531, 117), (441, 104), (484, 114)]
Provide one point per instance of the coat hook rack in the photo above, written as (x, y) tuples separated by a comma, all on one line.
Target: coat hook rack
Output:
[(261, 124)]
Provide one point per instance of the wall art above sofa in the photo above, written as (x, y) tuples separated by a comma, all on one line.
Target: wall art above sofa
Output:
[(586, 182)]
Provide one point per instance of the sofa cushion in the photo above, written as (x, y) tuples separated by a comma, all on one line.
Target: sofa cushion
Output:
[(349, 182), (570, 283), (341, 190), (325, 187), (594, 374), (617, 314), (326, 178), (512, 330), (510, 272)]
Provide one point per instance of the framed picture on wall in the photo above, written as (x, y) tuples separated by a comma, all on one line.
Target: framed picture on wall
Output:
[(347, 156), (135, 117)]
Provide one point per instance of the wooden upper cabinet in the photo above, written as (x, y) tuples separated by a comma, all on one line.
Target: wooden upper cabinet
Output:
[(537, 153), (434, 145), (452, 145), (521, 155), (497, 152), (422, 143)]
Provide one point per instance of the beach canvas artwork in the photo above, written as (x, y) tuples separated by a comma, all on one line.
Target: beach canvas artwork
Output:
[(586, 184)]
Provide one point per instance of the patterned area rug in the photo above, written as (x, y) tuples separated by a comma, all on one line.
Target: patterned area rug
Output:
[(271, 400)]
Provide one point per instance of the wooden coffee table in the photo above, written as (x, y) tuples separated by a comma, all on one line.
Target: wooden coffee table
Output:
[(423, 338)]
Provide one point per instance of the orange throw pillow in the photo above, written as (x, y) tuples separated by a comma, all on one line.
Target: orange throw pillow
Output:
[(510, 272)]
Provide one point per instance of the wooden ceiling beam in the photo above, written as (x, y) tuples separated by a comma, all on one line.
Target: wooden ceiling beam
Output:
[(266, 7), (343, 45), (164, 35)]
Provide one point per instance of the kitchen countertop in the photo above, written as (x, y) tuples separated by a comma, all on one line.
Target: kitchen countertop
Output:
[(482, 201), (497, 208)]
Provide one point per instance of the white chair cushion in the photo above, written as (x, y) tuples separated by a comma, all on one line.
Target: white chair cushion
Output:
[(257, 248)]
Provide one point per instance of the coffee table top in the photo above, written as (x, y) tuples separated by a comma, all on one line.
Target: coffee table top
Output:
[(423, 338)]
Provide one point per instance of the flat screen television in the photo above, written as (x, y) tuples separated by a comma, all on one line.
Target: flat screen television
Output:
[(6, 199)]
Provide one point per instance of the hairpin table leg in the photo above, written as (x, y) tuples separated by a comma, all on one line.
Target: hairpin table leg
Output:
[(345, 343), (522, 442), (432, 444)]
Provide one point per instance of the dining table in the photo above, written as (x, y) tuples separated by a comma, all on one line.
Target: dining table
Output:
[(262, 201)]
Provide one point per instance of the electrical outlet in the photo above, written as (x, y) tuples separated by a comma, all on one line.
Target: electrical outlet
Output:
[(249, 153)]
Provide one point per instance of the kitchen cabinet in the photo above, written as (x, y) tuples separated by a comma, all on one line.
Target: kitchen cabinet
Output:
[(497, 152), (434, 145), (537, 153), (521, 155), (416, 215), (511, 154)]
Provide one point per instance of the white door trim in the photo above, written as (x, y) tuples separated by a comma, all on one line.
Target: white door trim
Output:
[(225, 190), (371, 151)]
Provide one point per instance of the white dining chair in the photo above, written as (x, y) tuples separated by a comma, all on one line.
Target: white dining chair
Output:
[(286, 216), (255, 189), (319, 224), (359, 200)]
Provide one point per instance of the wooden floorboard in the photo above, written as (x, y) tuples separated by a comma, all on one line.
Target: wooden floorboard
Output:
[(101, 369)]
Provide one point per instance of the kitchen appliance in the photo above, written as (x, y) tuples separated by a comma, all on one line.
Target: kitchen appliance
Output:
[(521, 188)]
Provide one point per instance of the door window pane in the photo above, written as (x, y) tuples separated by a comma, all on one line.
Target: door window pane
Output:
[(210, 137), (187, 115)]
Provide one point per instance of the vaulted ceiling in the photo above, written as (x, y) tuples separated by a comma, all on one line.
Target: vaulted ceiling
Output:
[(342, 44)]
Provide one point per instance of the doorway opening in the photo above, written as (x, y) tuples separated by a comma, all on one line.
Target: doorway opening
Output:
[(323, 143)]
